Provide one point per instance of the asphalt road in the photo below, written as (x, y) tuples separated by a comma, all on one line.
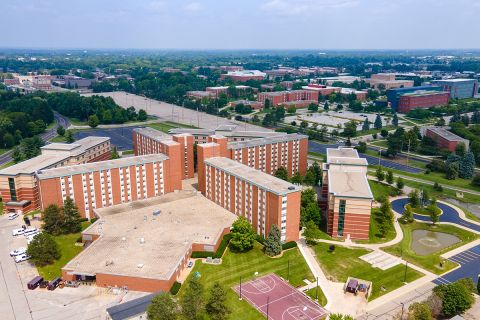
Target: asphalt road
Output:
[(46, 136), (449, 214), (322, 148), (120, 137)]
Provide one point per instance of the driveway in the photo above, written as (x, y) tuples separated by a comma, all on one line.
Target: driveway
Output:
[(450, 214), (322, 148)]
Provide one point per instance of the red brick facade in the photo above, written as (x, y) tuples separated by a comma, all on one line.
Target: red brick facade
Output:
[(425, 100), (280, 97)]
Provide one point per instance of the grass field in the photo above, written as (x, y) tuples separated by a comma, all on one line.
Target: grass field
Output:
[(68, 250), (344, 262), (7, 164), (445, 193), (312, 293), (236, 265), (429, 262), (165, 126), (374, 235), (381, 190)]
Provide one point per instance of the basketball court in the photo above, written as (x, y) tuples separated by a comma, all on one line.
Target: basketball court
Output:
[(273, 296)]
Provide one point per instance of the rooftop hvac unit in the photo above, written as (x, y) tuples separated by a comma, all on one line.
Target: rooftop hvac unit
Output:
[(142, 240), (156, 212), (291, 188), (140, 265), (124, 239)]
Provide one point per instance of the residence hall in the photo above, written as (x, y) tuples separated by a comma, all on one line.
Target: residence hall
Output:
[(178, 147), (145, 245), (19, 184), (444, 138), (346, 197), (261, 198), (103, 184)]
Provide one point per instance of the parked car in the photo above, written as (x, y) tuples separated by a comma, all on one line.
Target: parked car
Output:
[(17, 232), (18, 251), (30, 231), (34, 283), (12, 216), (72, 284), (54, 284), (190, 264), (352, 286), (44, 284), (21, 258)]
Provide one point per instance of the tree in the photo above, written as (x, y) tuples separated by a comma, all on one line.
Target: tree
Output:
[(267, 104), (243, 235), (53, 220), (478, 285), (142, 115), (408, 214), (400, 183), (162, 308), (93, 121), (310, 178), (361, 147), (425, 197), (378, 122), (216, 306), (460, 149), (61, 131), (389, 177), (467, 166), (451, 170), (434, 213), (311, 232), (312, 213), (115, 154), (325, 106), (419, 311), (350, 129), (69, 137), (380, 174), (17, 155), (304, 125), (339, 316), (192, 301), (281, 173), (296, 178), (313, 107), (366, 125), (414, 198), (273, 244), (43, 249), (456, 298), (72, 223), (395, 119), (268, 120), (384, 133)]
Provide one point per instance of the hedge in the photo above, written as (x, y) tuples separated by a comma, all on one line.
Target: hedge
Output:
[(289, 245), (175, 288), (93, 220), (218, 254)]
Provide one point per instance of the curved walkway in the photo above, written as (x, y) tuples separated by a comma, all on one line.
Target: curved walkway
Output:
[(451, 214)]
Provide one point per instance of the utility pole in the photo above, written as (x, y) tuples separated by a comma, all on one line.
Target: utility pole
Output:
[(408, 150)]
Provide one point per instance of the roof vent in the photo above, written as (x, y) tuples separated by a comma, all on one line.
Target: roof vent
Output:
[(156, 212), (124, 239), (291, 188), (140, 265), (142, 240)]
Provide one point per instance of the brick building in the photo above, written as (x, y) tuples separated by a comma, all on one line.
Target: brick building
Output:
[(179, 148), (459, 88), (346, 198), (422, 99), (144, 246), (243, 75), (200, 94), (264, 154), (444, 138), (388, 80), (253, 104), (279, 97), (107, 183), (19, 185), (261, 198), (394, 95)]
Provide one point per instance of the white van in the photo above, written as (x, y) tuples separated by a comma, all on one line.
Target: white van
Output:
[(12, 216), (17, 232), (30, 231), (22, 257), (18, 251)]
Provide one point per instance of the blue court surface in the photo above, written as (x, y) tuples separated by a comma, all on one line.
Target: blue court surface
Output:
[(469, 261), (322, 148)]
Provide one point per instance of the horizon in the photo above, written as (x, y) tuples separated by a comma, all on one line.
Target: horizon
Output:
[(186, 25)]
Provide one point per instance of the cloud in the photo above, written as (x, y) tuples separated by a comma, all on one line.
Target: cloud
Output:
[(192, 7), (295, 7), (156, 6)]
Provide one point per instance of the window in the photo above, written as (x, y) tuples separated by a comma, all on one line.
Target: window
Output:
[(341, 217), (13, 191)]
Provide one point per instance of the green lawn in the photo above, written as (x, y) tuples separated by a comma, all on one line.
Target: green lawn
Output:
[(236, 265), (312, 293), (127, 152), (344, 262), (381, 190), (68, 250), (380, 143), (372, 131), (429, 262), (318, 155), (374, 235), (165, 126), (6, 165)]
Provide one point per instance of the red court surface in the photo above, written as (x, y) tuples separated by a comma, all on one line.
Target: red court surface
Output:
[(285, 302)]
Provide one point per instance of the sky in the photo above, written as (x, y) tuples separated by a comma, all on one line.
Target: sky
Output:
[(240, 24)]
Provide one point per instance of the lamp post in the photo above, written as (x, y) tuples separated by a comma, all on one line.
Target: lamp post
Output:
[(405, 275), (403, 306)]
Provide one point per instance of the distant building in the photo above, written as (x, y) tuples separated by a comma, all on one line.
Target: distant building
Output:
[(322, 89), (254, 104), (244, 75), (393, 95), (459, 88), (444, 138), (346, 197), (73, 82), (388, 80), (224, 89), (200, 94), (422, 99), (359, 95), (279, 97)]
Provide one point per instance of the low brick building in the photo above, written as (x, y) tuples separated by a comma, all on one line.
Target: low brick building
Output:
[(279, 97), (422, 100), (444, 138)]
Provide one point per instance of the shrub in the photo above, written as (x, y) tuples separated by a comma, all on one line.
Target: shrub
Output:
[(93, 220), (218, 254), (289, 245), (175, 288)]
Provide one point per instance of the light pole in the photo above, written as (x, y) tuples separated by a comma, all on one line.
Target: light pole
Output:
[(240, 298), (403, 306), (316, 291), (405, 275)]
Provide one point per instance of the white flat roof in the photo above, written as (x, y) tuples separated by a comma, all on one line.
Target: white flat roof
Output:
[(351, 184)]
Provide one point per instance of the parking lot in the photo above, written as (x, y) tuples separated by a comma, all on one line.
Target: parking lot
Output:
[(19, 303), (120, 137), (469, 261)]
